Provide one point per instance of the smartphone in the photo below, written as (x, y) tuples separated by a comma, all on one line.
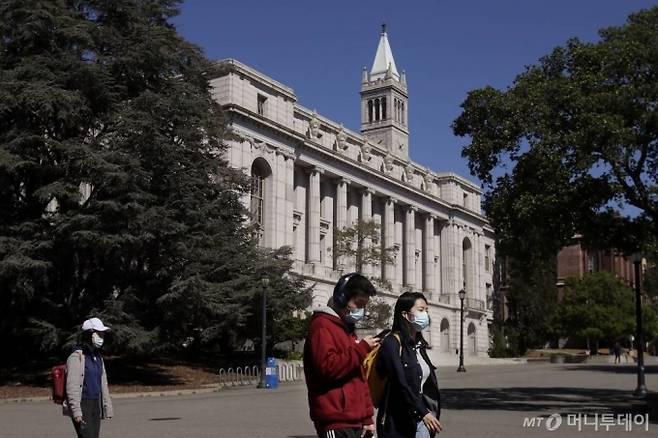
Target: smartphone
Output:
[(383, 333)]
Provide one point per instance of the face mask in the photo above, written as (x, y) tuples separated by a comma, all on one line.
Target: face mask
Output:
[(355, 315), (421, 320), (96, 340)]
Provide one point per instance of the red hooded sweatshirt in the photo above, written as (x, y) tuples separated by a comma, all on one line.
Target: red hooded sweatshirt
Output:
[(338, 394)]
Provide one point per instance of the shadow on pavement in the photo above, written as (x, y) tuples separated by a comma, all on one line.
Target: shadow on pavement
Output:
[(561, 400), (617, 369)]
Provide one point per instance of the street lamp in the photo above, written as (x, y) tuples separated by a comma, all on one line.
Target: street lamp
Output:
[(641, 390), (263, 342), (461, 369)]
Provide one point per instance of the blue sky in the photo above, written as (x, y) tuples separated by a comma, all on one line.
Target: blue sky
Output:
[(446, 47)]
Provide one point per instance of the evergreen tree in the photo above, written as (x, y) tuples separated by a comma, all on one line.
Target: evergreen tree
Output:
[(114, 196)]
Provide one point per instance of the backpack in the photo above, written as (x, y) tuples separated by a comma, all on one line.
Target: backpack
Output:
[(58, 380), (376, 383), (58, 377)]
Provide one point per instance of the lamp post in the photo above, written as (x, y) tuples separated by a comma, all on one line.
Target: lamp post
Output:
[(641, 390), (263, 342), (461, 369)]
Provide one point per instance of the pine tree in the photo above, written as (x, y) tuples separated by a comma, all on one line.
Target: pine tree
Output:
[(114, 196)]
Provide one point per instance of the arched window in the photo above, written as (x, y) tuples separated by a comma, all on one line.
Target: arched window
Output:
[(257, 194), (383, 108), (370, 111), (376, 109), (472, 340), (260, 171), (445, 335), (467, 251), (403, 116)]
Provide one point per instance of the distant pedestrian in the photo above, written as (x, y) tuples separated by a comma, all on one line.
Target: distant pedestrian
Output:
[(617, 351), (338, 394), (412, 402), (87, 393)]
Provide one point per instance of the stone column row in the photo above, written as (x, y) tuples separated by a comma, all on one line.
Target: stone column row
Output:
[(408, 250)]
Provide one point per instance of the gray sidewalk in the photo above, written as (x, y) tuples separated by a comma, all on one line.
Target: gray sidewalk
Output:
[(486, 401)]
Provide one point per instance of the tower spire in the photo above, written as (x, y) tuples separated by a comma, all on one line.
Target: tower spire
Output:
[(383, 58)]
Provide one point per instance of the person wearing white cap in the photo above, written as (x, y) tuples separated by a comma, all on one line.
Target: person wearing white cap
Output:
[(87, 393)]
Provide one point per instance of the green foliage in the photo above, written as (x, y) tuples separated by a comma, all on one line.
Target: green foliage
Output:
[(532, 303), (504, 341), (378, 315), (114, 196), (597, 306), (358, 244), (572, 142), (650, 278)]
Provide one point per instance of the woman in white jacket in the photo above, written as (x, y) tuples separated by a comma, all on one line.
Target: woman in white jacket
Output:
[(87, 394)]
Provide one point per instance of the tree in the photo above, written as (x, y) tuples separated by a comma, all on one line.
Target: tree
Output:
[(573, 142), (532, 303), (359, 244), (596, 307), (114, 196)]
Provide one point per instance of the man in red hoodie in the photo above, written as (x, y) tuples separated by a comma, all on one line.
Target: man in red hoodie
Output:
[(338, 395)]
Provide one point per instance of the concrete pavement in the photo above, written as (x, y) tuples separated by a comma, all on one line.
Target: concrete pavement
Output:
[(486, 401)]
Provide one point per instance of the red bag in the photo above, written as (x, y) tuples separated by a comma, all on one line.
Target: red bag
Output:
[(58, 376)]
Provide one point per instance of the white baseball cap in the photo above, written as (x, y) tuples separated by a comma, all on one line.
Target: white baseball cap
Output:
[(94, 324)]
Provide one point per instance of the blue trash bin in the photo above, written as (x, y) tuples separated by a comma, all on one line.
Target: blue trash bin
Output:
[(271, 375)]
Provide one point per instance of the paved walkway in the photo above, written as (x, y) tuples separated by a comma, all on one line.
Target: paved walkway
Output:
[(486, 401)]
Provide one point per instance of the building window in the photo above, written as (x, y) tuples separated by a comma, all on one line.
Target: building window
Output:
[(466, 264), (370, 111), (261, 104), (257, 194), (383, 108), (465, 200), (487, 258), (403, 116), (377, 110)]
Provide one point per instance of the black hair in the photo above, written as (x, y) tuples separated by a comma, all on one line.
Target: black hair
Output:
[(350, 285), (401, 324)]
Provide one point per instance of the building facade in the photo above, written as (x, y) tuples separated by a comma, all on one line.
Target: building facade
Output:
[(312, 176), (575, 260)]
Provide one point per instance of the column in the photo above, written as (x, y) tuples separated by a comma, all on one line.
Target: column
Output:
[(428, 255), (313, 203), (341, 216), (410, 246), (366, 216), (447, 259), (290, 199), (389, 237), (280, 207), (327, 213)]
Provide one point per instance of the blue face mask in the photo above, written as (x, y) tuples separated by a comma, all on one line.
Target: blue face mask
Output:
[(421, 320), (355, 315)]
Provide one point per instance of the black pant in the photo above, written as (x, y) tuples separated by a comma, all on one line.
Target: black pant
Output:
[(90, 427), (341, 433)]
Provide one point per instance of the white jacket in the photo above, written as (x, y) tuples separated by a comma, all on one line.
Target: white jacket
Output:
[(75, 376)]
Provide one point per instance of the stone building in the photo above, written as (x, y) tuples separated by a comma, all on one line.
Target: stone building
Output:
[(311, 176)]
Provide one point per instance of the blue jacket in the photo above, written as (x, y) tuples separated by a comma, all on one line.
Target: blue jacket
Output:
[(404, 405)]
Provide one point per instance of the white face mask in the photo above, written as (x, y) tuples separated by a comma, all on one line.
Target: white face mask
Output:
[(96, 340)]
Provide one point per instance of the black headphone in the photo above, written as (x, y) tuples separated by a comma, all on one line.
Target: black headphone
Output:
[(340, 297)]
